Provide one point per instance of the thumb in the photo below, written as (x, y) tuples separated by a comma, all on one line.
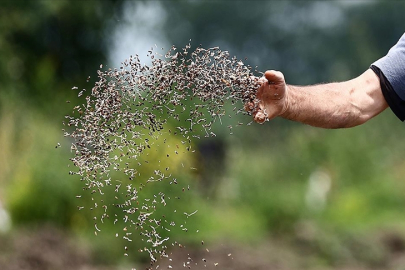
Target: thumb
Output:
[(276, 83), (274, 76)]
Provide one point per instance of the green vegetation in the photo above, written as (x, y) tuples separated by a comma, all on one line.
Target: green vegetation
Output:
[(262, 188)]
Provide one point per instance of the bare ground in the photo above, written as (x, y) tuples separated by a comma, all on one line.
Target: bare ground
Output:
[(50, 248)]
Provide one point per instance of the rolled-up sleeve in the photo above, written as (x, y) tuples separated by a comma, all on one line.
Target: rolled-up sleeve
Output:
[(392, 68)]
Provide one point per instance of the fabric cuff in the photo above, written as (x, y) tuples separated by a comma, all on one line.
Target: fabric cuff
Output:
[(396, 104)]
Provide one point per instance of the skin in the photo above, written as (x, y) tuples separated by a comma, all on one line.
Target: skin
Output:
[(333, 105)]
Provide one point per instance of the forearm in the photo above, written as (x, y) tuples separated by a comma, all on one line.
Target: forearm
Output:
[(336, 105)]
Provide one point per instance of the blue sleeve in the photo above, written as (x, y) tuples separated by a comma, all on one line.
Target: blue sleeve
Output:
[(396, 104), (391, 71), (393, 67)]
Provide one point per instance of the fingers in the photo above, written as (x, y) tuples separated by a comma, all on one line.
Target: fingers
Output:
[(255, 108), (259, 117), (269, 94), (251, 106)]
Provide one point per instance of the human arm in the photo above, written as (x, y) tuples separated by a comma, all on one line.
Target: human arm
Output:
[(336, 105), (332, 105)]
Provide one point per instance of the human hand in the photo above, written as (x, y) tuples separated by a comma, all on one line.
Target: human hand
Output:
[(271, 97)]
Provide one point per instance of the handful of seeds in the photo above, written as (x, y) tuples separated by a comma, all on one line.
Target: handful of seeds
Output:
[(129, 108)]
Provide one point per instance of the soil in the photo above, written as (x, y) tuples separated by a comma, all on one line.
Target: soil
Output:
[(51, 248)]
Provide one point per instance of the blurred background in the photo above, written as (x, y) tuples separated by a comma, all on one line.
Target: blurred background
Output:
[(276, 196)]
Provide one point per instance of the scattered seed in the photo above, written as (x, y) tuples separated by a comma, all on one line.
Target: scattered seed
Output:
[(128, 108)]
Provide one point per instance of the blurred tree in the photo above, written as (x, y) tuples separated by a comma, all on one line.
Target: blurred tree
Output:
[(48, 46)]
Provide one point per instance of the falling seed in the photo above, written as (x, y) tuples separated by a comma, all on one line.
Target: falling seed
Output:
[(129, 107)]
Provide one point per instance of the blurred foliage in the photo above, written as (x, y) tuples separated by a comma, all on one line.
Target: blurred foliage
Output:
[(259, 182), (47, 46)]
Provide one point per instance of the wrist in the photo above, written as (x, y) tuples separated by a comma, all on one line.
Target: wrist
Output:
[(286, 107)]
